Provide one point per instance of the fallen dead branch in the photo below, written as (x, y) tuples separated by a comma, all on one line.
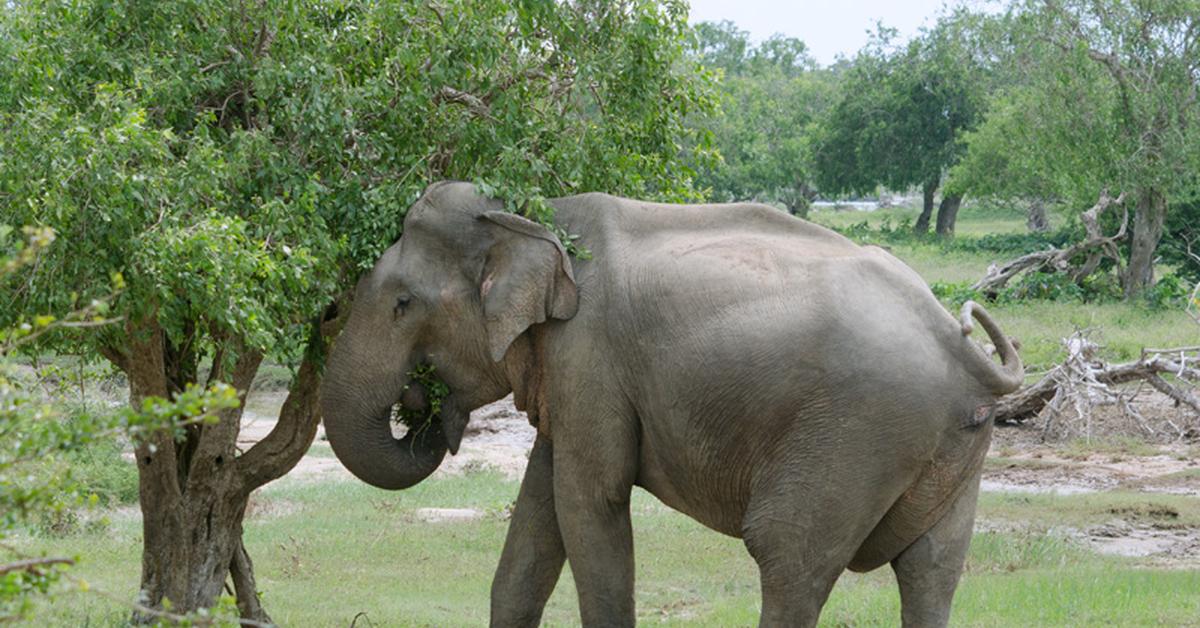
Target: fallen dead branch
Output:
[(1066, 395), (1096, 246)]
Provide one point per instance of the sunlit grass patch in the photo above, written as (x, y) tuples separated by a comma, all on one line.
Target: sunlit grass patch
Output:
[(1122, 329)]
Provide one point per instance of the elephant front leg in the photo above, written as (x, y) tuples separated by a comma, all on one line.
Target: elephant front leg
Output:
[(593, 478), (533, 552)]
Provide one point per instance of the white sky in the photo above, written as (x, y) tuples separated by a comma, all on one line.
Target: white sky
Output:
[(828, 27)]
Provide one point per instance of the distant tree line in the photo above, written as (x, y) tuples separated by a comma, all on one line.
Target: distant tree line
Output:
[(1049, 102)]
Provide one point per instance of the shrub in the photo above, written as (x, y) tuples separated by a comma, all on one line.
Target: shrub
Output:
[(955, 294), (1171, 291)]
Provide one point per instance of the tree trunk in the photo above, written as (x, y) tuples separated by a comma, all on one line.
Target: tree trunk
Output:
[(1037, 221), (927, 192), (1148, 223), (948, 214), (193, 492), (192, 496), (798, 209)]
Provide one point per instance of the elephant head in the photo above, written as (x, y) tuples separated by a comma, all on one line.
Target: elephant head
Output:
[(462, 284)]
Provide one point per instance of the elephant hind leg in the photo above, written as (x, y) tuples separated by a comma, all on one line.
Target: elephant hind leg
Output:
[(926, 502), (928, 570), (800, 551)]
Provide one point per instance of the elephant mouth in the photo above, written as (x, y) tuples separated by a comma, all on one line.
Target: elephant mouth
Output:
[(412, 412), (418, 412)]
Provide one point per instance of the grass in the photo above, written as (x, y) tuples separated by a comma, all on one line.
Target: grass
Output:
[(328, 551), (1123, 329)]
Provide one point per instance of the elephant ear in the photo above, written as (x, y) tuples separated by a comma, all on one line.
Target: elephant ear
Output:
[(527, 278)]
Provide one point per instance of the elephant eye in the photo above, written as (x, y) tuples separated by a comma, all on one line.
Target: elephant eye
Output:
[(402, 303)]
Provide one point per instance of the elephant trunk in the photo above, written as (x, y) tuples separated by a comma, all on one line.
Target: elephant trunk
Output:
[(358, 423)]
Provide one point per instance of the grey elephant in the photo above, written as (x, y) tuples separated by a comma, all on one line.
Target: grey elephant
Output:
[(762, 374)]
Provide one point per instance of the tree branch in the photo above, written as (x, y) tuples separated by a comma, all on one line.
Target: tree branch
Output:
[(286, 444), (218, 442), (1081, 369), (1097, 246), (31, 564), (473, 103)]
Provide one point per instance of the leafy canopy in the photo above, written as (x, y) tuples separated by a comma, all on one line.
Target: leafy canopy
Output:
[(901, 110), (239, 163), (771, 96)]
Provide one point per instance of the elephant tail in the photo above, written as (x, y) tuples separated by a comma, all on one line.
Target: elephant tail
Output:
[(1004, 379)]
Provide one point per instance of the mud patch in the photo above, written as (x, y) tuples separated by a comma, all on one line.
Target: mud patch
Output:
[(1139, 540), (1047, 470)]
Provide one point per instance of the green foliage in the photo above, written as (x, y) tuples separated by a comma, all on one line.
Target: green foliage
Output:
[(239, 164), (771, 97), (435, 391), (1181, 242), (100, 469), (954, 294), (44, 452), (1045, 286), (900, 110), (1169, 292), (1096, 95)]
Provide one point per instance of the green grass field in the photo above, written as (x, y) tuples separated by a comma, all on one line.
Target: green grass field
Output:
[(327, 551)]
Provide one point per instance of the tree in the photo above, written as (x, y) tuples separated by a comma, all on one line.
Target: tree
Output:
[(240, 163), (1107, 98), (36, 431), (900, 114), (771, 96)]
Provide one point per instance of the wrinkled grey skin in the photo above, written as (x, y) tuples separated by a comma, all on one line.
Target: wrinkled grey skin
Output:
[(764, 375)]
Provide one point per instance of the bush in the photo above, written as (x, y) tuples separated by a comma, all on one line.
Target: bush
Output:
[(1015, 243), (1007, 244), (1171, 291), (955, 294), (100, 469), (1045, 286)]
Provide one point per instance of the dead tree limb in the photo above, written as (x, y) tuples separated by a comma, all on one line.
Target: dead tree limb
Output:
[(1083, 381), (1096, 245)]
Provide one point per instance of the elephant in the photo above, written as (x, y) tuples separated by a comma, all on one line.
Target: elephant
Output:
[(762, 374)]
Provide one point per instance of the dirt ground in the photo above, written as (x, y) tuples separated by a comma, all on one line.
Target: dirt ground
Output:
[(499, 438)]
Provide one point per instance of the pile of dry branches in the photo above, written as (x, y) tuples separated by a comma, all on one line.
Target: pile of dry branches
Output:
[(1066, 396)]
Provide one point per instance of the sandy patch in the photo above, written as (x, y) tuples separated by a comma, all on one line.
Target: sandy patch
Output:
[(498, 438), (447, 515)]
